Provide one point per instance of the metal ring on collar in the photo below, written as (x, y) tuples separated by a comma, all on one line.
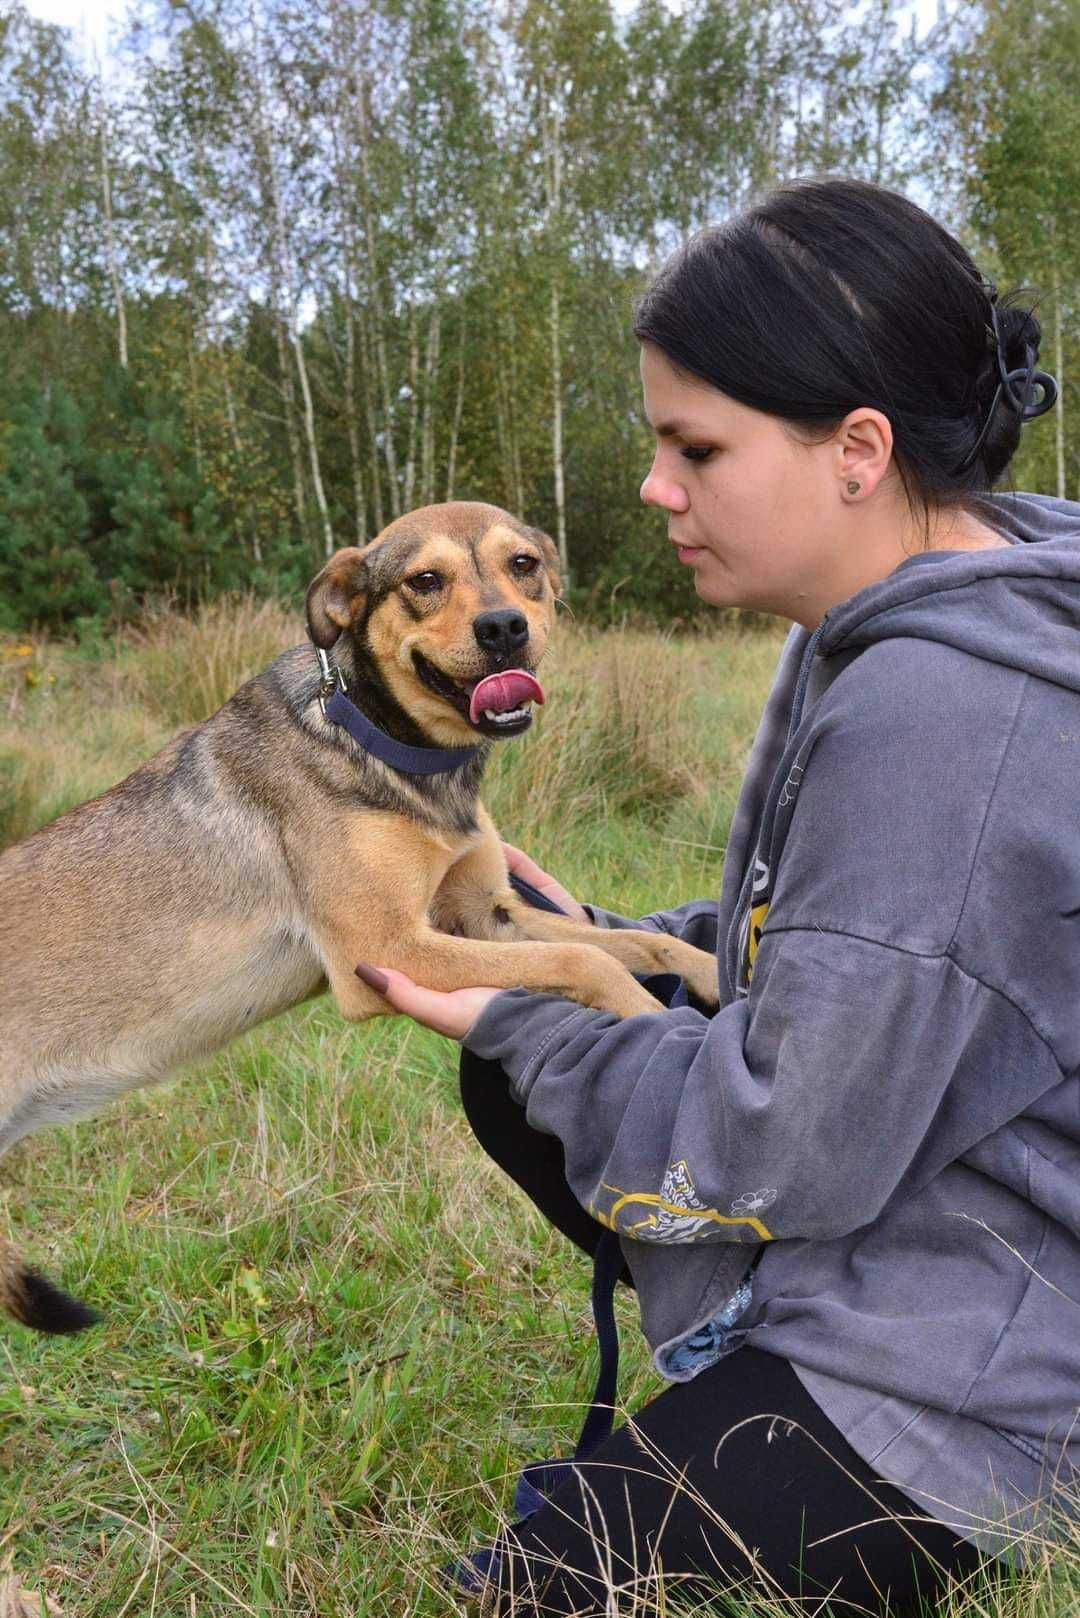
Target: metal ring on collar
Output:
[(331, 679)]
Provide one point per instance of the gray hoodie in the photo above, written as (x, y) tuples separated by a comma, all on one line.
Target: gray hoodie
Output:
[(868, 1161)]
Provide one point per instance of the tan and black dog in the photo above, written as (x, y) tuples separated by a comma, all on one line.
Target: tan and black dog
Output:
[(261, 855)]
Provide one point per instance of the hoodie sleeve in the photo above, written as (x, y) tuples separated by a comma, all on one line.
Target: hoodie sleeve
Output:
[(852, 1070), (865, 1057), (694, 922)]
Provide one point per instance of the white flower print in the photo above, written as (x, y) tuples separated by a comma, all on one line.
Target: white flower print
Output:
[(753, 1202)]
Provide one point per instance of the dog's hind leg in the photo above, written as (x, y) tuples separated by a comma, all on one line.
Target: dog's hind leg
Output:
[(35, 1301)]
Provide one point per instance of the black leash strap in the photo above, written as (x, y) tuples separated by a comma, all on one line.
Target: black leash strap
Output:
[(539, 1480)]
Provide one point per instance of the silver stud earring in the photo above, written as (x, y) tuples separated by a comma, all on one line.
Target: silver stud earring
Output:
[(853, 487)]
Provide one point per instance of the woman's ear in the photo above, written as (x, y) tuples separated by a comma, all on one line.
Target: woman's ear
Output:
[(864, 442), (336, 596)]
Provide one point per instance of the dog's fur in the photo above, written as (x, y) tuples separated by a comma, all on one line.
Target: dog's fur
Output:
[(261, 855)]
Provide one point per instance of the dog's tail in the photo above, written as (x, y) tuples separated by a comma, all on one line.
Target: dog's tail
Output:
[(35, 1301)]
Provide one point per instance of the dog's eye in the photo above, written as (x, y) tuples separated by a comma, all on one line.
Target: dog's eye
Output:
[(425, 583), (525, 563)]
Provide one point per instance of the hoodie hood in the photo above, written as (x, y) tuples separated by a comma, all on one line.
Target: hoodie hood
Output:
[(1017, 605)]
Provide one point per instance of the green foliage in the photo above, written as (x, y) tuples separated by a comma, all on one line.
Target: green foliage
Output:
[(98, 516), (299, 278), (1012, 96), (46, 575)]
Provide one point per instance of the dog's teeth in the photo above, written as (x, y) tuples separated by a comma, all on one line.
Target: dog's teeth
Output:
[(504, 718)]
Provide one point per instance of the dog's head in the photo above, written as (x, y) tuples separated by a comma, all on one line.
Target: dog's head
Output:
[(442, 599)]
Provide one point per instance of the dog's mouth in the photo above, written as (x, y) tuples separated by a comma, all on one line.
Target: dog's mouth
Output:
[(498, 705)]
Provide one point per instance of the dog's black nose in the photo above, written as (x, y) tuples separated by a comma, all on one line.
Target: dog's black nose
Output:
[(501, 633)]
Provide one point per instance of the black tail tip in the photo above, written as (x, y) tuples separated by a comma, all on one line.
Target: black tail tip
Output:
[(46, 1308)]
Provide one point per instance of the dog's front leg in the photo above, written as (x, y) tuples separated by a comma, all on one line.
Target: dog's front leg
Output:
[(578, 971), (477, 901), (381, 915)]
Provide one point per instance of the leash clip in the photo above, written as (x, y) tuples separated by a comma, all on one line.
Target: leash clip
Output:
[(331, 680)]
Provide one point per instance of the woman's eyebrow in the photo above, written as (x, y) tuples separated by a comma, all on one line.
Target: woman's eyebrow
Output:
[(679, 429)]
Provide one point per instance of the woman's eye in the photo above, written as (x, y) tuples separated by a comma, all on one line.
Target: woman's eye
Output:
[(525, 564), (696, 452), (424, 583)]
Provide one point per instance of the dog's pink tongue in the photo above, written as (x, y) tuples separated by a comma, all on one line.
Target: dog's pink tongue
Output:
[(501, 692)]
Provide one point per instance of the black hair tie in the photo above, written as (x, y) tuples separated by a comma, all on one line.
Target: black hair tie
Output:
[(1023, 401)]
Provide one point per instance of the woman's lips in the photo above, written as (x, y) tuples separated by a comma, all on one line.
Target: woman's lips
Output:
[(687, 553)]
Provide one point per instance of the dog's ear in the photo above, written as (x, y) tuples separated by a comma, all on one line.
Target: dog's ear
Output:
[(550, 555), (336, 596)]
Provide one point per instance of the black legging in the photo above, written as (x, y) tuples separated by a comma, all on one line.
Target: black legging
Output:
[(685, 1490)]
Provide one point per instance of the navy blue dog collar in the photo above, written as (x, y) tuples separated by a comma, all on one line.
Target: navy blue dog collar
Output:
[(341, 710)]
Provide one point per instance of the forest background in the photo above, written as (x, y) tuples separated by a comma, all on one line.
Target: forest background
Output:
[(280, 270)]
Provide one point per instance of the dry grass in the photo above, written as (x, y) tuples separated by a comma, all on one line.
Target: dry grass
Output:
[(638, 726), (181, 669)]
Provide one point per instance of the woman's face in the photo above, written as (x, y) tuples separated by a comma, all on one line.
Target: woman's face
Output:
[(757, 515)]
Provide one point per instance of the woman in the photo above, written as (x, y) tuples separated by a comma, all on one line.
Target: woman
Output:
[(864, 1172)]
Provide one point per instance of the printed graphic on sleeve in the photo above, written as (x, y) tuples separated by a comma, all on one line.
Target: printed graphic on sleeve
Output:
[(674, 1214), (771, 836), (753, 922)]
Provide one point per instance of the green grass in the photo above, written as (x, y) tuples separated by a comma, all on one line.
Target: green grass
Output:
[(333, 1331)]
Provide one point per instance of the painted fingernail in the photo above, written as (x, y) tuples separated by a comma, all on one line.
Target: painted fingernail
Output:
[(373, 977)]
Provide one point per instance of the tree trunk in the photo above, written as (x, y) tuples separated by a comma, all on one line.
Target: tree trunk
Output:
[(502, 432), (359, 504), (339, 130), (276, 270), (459, 403), (196, 435), (110, 242), (557, 432), (329, 545), (288, 405), (427, 426), (553, 179), (517, 485), (280, 252), (414, 406), (371, 415), (376, 306)]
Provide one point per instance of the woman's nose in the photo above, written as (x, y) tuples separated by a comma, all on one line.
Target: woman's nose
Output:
[(658, 490)]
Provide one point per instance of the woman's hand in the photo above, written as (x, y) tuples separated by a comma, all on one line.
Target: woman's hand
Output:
[(452, 1013), (521, 865)]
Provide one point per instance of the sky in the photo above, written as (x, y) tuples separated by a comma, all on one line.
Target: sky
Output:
[(90, 20)]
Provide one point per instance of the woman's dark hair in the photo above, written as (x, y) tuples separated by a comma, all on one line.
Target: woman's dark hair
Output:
[(831, 294)]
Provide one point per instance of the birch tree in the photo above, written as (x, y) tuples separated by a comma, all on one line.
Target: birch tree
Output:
[(1013, 96)]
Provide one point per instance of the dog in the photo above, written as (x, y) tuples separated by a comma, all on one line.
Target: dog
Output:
[(262, 854)]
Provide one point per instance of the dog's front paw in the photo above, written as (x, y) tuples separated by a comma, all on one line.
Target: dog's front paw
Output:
[(696, 967)]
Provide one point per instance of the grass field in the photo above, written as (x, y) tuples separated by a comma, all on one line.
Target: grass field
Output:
[(333, 1332)]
